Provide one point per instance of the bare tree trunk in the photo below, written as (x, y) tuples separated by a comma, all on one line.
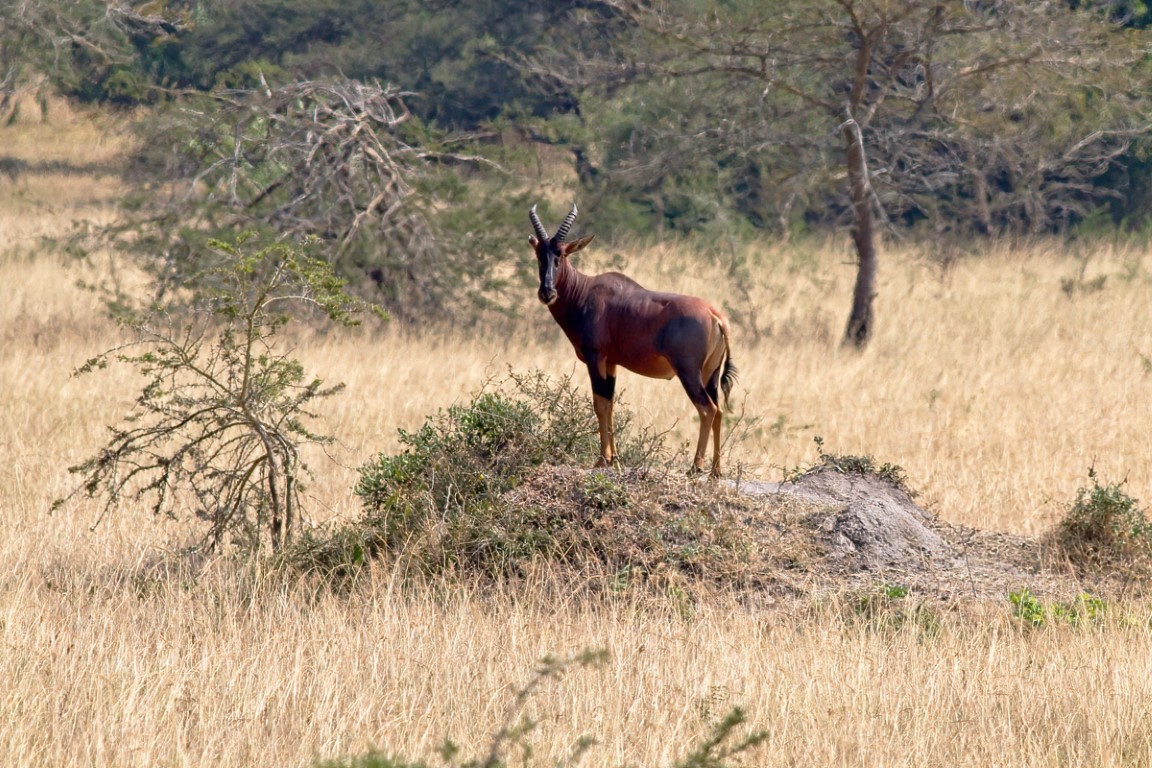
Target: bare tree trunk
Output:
[(860, 322), (278, 528)]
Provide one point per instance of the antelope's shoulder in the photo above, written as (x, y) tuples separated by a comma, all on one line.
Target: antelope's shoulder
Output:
[(615, 283)]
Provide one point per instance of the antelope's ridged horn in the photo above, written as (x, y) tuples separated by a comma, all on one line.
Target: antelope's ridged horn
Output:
[(541, 233), (567, 225)]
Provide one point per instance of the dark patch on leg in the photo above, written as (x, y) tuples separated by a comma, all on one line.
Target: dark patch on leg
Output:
[(605, 387), (603, 391)]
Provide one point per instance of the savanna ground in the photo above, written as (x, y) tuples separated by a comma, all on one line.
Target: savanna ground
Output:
[(995, 381)]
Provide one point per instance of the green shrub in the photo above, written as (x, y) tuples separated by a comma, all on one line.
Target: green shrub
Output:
[(1105, 527), (500, 486), (1027, 608), (441, 500)]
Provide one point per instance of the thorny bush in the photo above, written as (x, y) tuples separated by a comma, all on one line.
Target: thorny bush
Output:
[(218, 425)]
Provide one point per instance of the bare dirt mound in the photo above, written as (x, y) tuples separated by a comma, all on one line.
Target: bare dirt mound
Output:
[(826, 531), (873, 531)]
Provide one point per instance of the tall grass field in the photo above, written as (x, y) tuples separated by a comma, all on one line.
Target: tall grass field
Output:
[(996, 380)]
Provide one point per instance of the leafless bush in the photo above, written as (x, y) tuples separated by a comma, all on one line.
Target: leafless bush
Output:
[(341, 160)]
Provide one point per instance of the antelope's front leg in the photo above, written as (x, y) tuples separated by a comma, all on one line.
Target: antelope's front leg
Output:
[(603, 378)]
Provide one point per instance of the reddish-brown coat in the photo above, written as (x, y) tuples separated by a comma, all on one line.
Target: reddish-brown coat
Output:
[(611, 320), (621, 321)]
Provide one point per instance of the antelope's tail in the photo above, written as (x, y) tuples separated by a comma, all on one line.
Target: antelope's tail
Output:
[(729, 375)]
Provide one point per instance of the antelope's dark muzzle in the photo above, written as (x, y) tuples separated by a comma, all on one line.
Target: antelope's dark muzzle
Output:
[(547, 295)]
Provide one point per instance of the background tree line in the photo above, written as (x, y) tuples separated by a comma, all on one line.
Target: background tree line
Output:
[(402, 133)]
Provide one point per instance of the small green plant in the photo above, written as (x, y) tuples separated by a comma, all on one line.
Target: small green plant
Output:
[(1071, 286), (892, 607), (1145, 363), (894, 591), (718, 749), (603, 491), (514, 732), (1027, 608), (1084, 610), (218, 425), (1105, 526), (1080, 284)]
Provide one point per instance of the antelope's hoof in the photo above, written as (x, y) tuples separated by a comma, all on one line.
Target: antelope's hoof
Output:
[(603, 463), (713, 474)]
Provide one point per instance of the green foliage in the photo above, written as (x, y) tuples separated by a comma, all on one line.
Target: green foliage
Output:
[(1073, 286), (372, 760), (726, 144), (457, 56), (452, 475), (1080, 284), (728, 141), (1105, 526), (514, 733), (93, 52), (742, 129), (1084, 610), (1027, 608), (718, 749), (216, 430)]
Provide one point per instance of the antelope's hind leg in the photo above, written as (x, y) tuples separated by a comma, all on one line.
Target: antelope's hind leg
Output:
[(709, 419), (713, 391)]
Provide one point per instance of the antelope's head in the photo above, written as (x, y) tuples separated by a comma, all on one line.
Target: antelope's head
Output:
[(552, 251)]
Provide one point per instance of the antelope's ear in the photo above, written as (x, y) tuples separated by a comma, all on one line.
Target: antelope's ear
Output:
[(532, 241), (576, 245)]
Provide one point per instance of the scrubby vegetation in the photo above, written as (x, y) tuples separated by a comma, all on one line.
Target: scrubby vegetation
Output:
[(725, 746), (1082, 610), (858, 465), (497, 486), (1106, 528), (218, 425)]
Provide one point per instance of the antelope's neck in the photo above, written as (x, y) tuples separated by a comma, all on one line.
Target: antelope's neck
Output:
[(571, 289)]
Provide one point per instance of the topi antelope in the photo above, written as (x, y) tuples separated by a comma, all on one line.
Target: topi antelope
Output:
[(613, 321)]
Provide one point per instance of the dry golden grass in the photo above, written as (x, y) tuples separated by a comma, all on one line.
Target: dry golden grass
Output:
[(63, 165), (993, 388)]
